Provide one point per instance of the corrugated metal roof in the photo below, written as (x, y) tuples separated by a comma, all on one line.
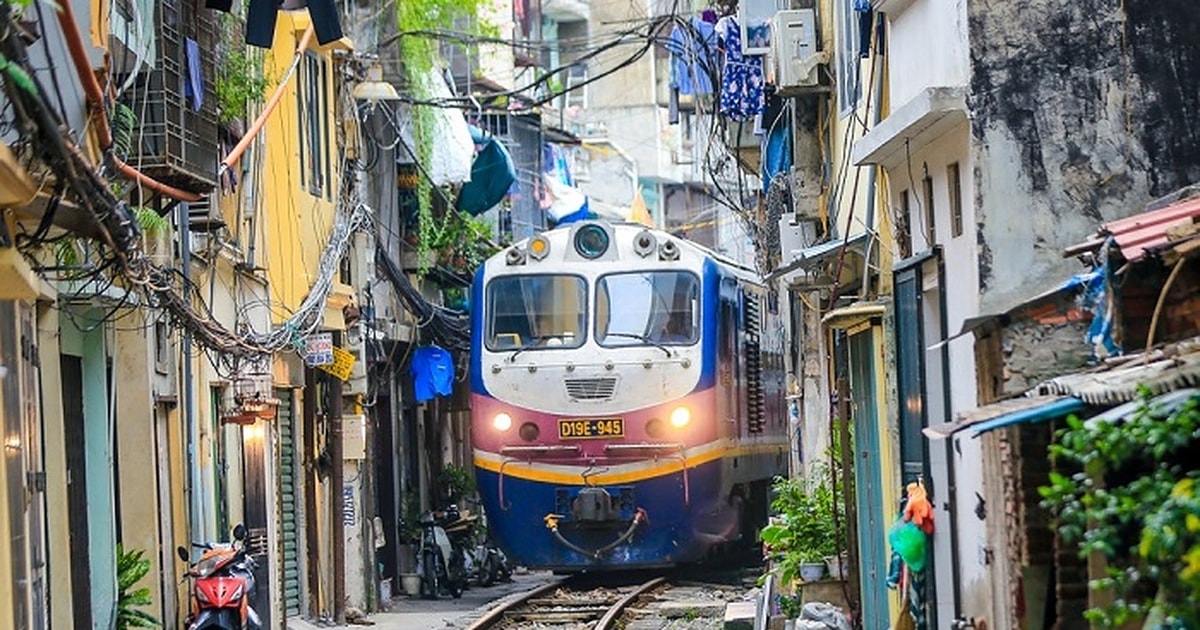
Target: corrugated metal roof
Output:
[(1161, 371), (1148, 230)]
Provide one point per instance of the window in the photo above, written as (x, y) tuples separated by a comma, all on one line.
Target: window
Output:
[(930, 227), (848, 56), (648, 307), (313, 100), (545, 311), (954, 181), (577, 77), (904, 226)]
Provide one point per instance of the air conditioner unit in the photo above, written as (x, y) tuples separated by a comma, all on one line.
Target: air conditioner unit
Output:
[(794, 50), (795, 234)]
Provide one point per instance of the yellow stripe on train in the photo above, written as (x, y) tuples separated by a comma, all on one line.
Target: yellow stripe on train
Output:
[(664, 464)]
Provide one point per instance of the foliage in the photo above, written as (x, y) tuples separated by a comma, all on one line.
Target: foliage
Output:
[(239, 83), (463, 242), (456, 483), (1130, 495), (410, 525), (803, 531), (416, 19), (149, 221), (132, 566)]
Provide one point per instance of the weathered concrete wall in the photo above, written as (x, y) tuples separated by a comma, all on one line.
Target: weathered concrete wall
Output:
[(1082, 111)]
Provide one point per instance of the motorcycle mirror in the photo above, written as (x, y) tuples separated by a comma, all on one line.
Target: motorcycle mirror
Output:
[(183, 553), (239, 532)]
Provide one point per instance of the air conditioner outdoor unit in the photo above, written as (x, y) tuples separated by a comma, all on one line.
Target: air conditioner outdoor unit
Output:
[(795, 234), (794, 50)]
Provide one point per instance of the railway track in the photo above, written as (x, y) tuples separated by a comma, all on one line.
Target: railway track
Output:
[(608, 602)]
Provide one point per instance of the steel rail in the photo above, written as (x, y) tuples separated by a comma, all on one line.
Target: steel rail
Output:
[(494, 615), (610, 618)]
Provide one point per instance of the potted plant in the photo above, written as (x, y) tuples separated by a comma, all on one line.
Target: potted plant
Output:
[(801, 535)]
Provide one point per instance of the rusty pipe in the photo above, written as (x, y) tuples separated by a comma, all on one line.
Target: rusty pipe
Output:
[(95, 98), (236, 153)]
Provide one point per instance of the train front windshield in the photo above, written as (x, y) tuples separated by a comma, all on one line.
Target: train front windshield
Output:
[(542, 311), (657, 307)]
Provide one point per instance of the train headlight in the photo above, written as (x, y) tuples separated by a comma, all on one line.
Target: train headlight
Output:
[(502, 422), (681, 417), (539, 247), (591, 241)]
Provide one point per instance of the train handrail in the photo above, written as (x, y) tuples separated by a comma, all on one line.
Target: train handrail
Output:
[(504, 450), (685, 362), (656, 446)]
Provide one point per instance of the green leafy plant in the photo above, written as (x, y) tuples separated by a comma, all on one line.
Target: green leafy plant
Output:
[(456, 482), (802, 530), (463, 242), (239, 83), (151, 224), (132, 566), (1127, 491), (417, 21)]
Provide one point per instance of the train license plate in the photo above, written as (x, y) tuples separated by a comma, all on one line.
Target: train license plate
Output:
[(585, 428)]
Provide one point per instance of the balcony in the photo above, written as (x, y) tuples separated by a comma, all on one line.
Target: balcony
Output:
[(169, 137)]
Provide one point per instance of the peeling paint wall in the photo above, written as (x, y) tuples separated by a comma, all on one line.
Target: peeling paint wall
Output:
[(1082, 111)]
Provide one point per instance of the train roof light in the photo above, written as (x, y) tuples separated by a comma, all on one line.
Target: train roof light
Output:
[(539, 247), (668, 250), (644, 243), (591, 241), (514, 256)]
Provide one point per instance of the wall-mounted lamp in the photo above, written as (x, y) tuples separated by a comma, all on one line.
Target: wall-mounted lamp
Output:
[(374, 88)]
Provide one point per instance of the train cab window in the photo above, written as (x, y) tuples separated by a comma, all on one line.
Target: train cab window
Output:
[(648, 307), (543, 311)]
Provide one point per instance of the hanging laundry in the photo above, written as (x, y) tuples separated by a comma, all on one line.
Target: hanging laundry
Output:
[(194, 87), (742, 79), (261, 16), (693, 57), (433, 372), (777, 149), (492, 175)]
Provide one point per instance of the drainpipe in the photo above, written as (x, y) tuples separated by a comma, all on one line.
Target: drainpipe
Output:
[(876, 106), (950, 482), (196, 484)]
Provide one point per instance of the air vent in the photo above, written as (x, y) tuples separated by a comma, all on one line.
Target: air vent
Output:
[(590, 388)]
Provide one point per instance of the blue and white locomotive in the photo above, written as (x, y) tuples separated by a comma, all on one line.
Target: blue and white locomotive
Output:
[(627, 398)]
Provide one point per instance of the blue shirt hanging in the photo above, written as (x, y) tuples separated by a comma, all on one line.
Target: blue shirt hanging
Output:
[(433, 372)]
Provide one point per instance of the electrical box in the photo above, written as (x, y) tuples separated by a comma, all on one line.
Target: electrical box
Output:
[(794, 50)]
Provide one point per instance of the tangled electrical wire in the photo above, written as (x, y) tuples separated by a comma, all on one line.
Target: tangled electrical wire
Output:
[(110, 224), (448, 328)]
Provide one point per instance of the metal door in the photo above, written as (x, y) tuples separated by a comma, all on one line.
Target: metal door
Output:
[(289, 524), (873, 561)]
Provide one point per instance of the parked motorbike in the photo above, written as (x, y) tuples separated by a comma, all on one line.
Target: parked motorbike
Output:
[(486, 563), (222, 584), (441, 562)]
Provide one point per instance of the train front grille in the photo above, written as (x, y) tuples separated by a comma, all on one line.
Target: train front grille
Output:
[(591, 388)]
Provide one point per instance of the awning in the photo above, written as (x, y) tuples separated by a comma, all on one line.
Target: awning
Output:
[(810, 257), (1006, 413), (853, 315)]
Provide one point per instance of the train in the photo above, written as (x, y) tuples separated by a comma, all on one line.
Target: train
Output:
[(627, 399)]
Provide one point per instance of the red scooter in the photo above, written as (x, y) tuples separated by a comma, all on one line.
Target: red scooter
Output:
[(222, 583)]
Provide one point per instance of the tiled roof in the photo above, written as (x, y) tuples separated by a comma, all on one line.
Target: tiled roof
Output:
[(1148, 230), (1173, 367)]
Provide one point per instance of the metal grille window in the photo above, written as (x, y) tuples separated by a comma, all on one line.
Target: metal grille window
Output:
[(313, 100)]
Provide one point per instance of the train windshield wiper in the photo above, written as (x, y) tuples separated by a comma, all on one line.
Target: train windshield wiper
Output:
[(532, 343), (642, 338)]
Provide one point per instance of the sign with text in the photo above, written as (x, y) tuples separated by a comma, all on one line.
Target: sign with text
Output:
[(318, 349)]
